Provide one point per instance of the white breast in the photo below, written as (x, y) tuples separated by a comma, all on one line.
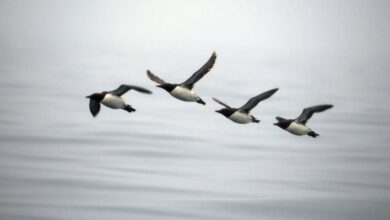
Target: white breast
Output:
[(298, 129), (240, 117), (113, 101), (184, 94)]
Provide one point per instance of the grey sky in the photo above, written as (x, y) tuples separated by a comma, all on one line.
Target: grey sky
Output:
[(272, 30)]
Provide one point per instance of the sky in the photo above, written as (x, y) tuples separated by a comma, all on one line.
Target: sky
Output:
[(81, 31)]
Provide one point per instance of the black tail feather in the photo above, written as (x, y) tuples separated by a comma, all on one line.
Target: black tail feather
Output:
[(255, 120), (129, 108), (313, 134), (200, 101)]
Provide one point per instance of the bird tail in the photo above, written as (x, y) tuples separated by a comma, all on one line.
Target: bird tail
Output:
[(129, 108), (255, 120), (313, 134), (200, 101)]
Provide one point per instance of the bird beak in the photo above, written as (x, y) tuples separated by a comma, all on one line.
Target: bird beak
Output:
[(160, 86), (88, 97), (276, 124), (219, 111)]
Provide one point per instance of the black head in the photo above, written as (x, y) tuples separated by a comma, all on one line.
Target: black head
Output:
[(97, 96), (283, 123), (167, 87), (227, 112)]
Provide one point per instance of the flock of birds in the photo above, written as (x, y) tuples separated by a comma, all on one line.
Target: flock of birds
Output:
[(184, 91)]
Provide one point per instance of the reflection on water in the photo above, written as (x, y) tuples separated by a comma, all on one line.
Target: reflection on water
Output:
[(176, 160)]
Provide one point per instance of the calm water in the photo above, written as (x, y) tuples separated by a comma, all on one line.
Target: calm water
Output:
[(176, 160)]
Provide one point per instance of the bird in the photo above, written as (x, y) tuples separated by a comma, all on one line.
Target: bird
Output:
[(298, 126), (113, 99), (241, 115), (183, 91)]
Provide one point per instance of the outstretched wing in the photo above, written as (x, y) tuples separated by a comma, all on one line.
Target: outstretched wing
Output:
[(122, 89), (94, 107), (154, 78), (308, 112), (221, 103), (189, 83), (255, 100)]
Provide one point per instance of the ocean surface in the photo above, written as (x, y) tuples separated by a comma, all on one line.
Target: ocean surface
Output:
[(176, 160)]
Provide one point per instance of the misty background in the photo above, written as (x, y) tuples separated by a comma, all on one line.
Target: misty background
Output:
[(178, 160)]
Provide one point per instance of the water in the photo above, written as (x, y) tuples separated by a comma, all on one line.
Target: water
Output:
[(177, 160)]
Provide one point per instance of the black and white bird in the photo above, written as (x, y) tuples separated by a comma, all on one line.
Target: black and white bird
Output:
[(241, 115), (298, 126), (183, 91), (113, 99)]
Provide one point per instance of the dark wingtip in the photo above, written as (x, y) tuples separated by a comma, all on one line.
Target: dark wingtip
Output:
[(327, 106), (269, 93), (147, 91), (274, 90)]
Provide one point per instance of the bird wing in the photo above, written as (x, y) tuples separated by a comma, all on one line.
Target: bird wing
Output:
[(255, 100), (94, 107), (122, 89), (308, 112), (221, 103), (154, 78), (189, 83)]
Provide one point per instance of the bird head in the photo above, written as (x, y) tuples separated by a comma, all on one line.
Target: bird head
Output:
[(167, 87), (96, 96), (282, 123), (225, 112)]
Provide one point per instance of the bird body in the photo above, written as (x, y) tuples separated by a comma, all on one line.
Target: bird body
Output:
[(241, 115), (113, 99), (298, 129), (184, 94), (241, 118), (183, 91), (298, 126)]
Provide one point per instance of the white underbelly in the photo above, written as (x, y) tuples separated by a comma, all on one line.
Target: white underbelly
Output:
[(240, 118), (113, 101), (184, 94), (298, 129)]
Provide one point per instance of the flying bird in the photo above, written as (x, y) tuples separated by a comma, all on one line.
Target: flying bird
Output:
[(241, 115), (298, 126), (113, 99), (183, 91)]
